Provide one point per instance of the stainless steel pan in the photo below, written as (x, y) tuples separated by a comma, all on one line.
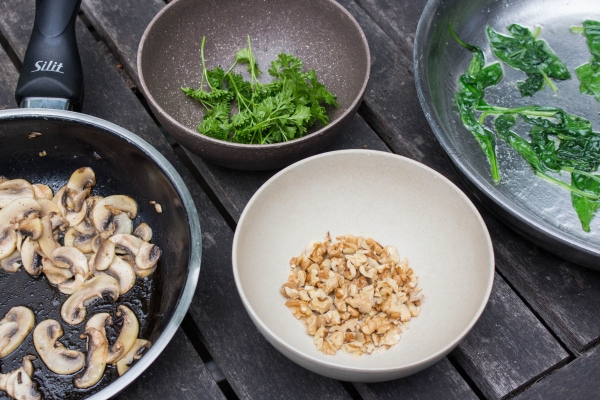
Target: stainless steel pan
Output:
[(124, 164), (537, 210)]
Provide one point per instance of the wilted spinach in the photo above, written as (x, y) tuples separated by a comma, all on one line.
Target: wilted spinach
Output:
[(559, 142), (525, 52), (589, 73)]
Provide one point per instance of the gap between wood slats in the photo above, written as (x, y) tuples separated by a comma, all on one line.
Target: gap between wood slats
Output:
[(10, 52)]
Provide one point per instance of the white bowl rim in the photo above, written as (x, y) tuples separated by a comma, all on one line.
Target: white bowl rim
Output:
[(426, 361)]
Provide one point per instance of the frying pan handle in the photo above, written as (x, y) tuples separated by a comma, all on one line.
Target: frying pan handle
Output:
[(51, 76)]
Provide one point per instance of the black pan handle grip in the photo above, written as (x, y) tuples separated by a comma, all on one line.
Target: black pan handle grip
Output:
[(51, 75)]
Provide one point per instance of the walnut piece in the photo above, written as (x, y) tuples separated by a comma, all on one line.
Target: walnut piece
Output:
[(352, 294)]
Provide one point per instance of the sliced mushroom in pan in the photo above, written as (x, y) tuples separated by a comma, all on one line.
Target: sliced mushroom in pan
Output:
[(14, 328), (72, 259), (73, 310), (123, 272), (97, 349), (136, 352), (12, 263), (15, 189), (105, 210), (127, 336), (143, 231), (18, 384), (78, 188), (42, 192), (53, 353)]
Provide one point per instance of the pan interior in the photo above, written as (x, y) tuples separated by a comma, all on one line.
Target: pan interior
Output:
[(443, 60), (121, 168), (318, 32)]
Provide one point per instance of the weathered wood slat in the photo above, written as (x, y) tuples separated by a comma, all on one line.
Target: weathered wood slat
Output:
[(177, 372), (578, 380), (8, 82), (122, 38), (501, 356), (438, 382), (230, 335), (564, 295)]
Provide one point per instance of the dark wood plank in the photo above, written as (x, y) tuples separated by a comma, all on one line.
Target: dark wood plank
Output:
[(562, 294), (122, 37), (163, 379), (502, 356), (8, 82), (578, 380), (440, 381), (251, 365)]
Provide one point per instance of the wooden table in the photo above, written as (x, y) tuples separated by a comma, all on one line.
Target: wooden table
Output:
[(535, 339)]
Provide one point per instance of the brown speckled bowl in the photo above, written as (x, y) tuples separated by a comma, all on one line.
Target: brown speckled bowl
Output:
[(320, 32)]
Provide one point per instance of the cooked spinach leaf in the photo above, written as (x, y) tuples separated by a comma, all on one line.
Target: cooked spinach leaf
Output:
[(533, 56), (585, 207), (589, 73)]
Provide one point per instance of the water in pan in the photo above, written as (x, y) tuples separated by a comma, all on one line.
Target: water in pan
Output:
[(36, 293), (519, 186)]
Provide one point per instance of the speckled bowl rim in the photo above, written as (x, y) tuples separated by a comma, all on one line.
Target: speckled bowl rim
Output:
[(373, 153), (332, 124)]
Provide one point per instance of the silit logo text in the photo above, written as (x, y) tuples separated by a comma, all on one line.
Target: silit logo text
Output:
[(48, 66)]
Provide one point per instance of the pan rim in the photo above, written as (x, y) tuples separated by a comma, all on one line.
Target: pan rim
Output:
[(185, 196), (532, 228)]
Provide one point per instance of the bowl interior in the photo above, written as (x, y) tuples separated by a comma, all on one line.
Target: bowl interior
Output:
[(397, 202), (319, 32)]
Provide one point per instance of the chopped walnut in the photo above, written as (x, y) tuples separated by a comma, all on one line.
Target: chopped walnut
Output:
[(352, 294)]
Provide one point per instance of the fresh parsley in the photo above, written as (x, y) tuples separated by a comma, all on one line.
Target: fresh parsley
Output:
[(251, 112)]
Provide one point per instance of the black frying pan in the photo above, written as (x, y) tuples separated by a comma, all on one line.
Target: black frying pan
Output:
[(124, 164)]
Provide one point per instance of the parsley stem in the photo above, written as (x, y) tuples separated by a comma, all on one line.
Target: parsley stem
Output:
[(204, 72)]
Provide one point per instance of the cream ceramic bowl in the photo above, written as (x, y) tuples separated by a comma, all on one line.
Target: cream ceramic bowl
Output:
[(393, 200)]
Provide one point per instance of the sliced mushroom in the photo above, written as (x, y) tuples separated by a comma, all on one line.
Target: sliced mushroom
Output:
[(72, 259), (18, 384), (147, 256), (127, 336), (28, 253), (11, 263), (8, 243), (123, 272), (55, 275), (42, 192), (99, 321), (98, 240), (53, 353), (121, 224), (18, 210), (105, 210), (14, 189), (143, 231), (73, 217), (73, 310), (78, 188), (136, 352), (47, 242), (81, 241), (127, 244), (12, 336), (47, 207), (97, 349), (104, 255), (31, 227)]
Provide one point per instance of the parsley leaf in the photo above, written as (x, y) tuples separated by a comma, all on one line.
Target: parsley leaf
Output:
[(275, 112)]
